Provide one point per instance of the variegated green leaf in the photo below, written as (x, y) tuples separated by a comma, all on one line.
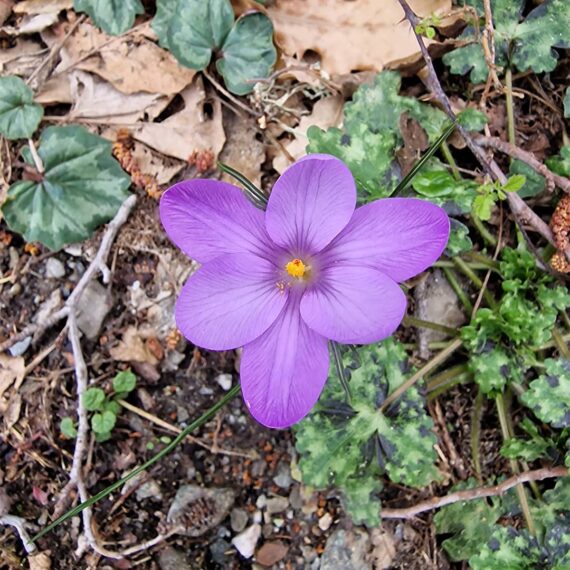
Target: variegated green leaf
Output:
[(549, 395), (165, 9), (19, 115), (248, 53), (112, 16), (459, 240), (196, 28), (371, 134), (82, 187)]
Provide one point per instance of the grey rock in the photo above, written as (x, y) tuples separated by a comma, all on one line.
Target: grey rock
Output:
[(196, 510), (225, 381), (18, 348), (295, 497), (277, 505), (149, 490), (261, 501), (325, 522), (218, 550), (54, 268), (283, 478), (238, 519), (171, 559), (246, 541), (348, 550), (93, 307)]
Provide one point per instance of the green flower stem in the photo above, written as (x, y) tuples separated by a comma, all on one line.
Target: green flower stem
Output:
[(510, 106), (521, 492), (561, 343), (487, 236), (256, 195), (410, 321), (206, 416), (484, 260), (438, 359), (459, 379), (468, 272), (455, 285), (442, 382), (473, 264), (335, 349), (476, 432), (566, 319), (445, 150)]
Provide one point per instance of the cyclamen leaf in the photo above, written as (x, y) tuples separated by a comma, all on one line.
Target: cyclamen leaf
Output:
[(561, 164), (248, 53), (549, 395), (19, 115), (82, 187), (534, 183), (112, 16), (196, 28)]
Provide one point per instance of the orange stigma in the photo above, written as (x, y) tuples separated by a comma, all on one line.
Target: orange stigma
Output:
[(296, 268)]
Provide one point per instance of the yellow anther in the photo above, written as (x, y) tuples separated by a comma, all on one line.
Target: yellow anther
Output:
[(296, 268)]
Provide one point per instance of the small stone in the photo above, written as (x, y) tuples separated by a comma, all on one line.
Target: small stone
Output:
[(246, 541), (257, 517), (218, 551), (171, 559), (238, 519), (54, 268), (277, 505), (347, 550), (283, 478), (19, 348), (325, 522), (149, 490), (271, 553), (278, 522), (295, 497), (261, 501), (225, 381)]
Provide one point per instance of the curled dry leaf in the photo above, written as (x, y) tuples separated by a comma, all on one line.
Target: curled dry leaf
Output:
[(12, 371), (370, 34), (132, 63), (32, 7), (327, 112), (196, 128), (133, 348)]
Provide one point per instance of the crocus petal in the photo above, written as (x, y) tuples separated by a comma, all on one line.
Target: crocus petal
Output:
[(284, 370), (353, 304), (229, 301), (207, 218), (310, 204), (399, 236)]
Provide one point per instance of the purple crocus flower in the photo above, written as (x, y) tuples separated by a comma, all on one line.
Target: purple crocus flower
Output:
[(282, 282)]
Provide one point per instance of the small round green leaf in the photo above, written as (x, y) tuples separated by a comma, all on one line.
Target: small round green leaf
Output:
[(103, 423), (112, 16), (67, 427), (93, 399), (82, 187), (195, 30), (248, 53), (19, 115), (124, 381)]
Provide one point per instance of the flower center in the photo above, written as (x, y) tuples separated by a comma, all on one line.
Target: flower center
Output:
[(296, 268)]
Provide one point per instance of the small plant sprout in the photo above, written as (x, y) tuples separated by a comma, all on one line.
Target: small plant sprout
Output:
[(281, 283), (491, 192)]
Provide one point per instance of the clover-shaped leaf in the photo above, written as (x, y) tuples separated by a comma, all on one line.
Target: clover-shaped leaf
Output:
[(350, 445), (93, 399), (524, 45), (196, 30), (19, 115), (549, 395), (82, 187), (371, 134), (124, 381), (112, 16)]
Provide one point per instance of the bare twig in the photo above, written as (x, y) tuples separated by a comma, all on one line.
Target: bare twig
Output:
[(225, 92), (20, 525), (477, 493), (488, 41), (526, 157), (38, 163)]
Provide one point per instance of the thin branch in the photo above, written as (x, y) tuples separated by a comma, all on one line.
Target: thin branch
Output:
[(225, 92), (477, 493), (526, 157), (20, 525), (38, 163)]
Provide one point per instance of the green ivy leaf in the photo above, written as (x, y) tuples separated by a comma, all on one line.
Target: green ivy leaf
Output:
[(93, 399), (104, 422), (472, 523), (19, 115), (82, 187), (124, 381), (196, 29), (549, 395), (248, 53), (560, 164), (459, 240), (533, 184), (351, 445), (112, 16), (67, 428), (371, 134), (525, 45)]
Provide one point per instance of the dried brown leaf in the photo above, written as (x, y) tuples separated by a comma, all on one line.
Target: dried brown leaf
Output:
[(12, 370), (348, 36), (132, 348)]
